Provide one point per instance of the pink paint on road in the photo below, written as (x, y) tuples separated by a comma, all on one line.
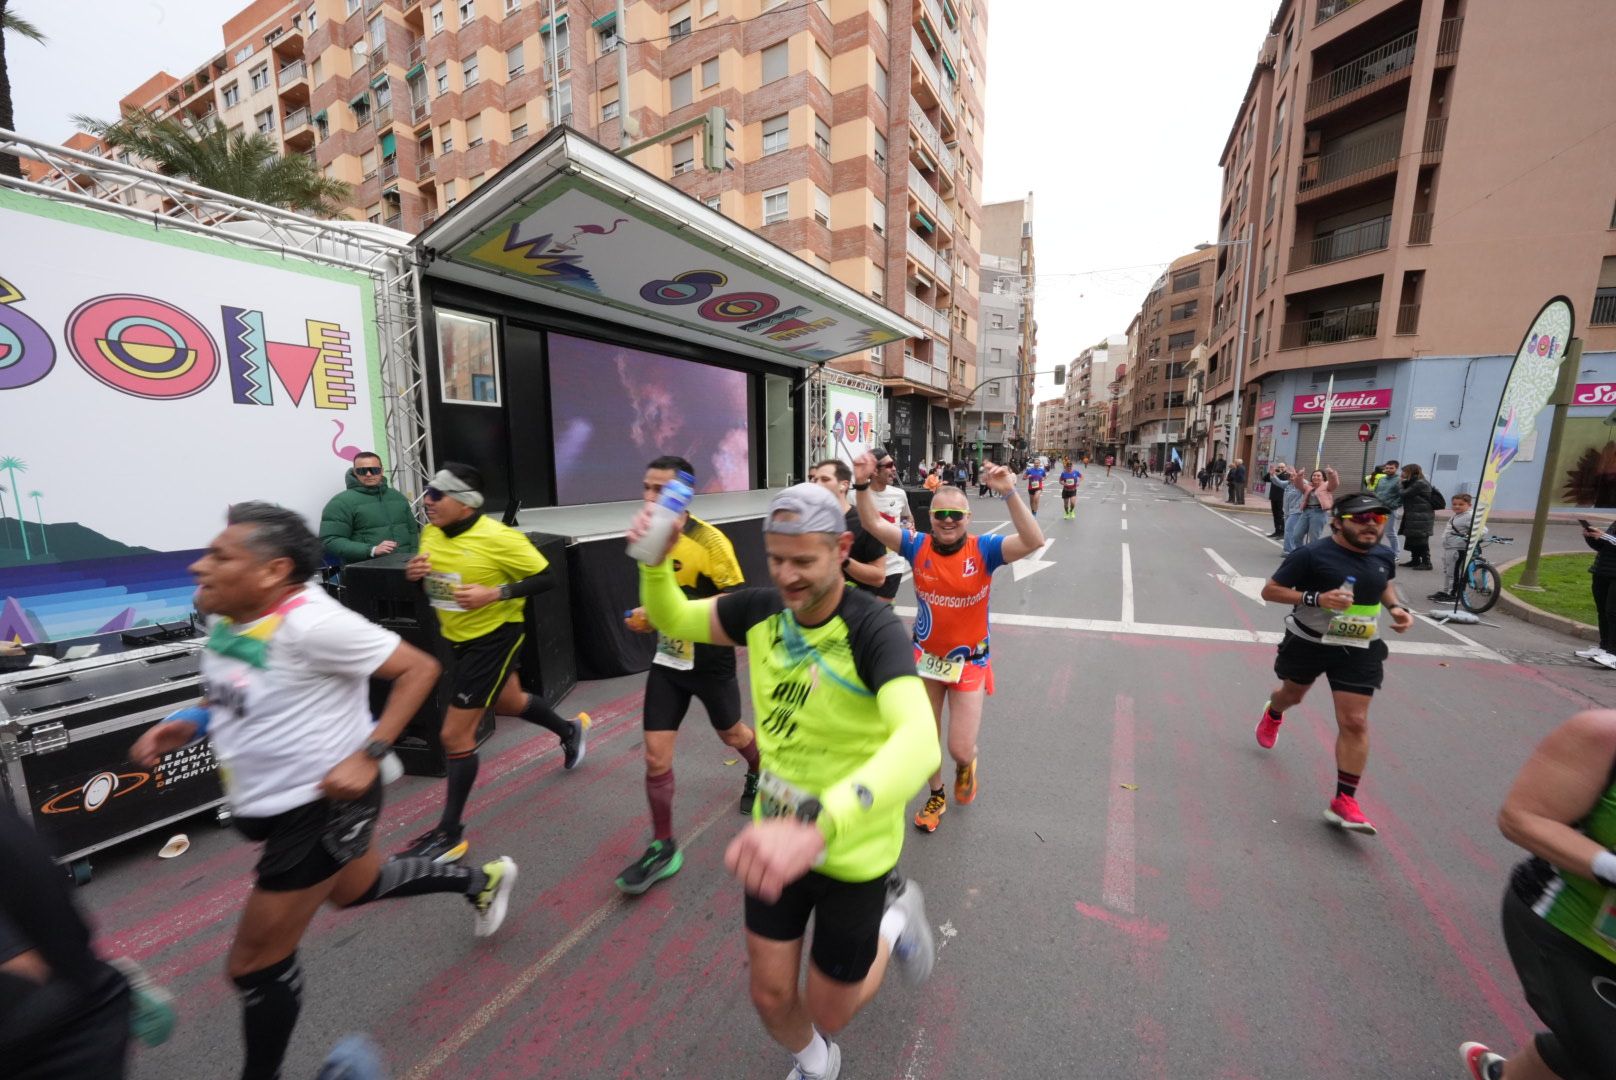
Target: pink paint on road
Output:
[(1138, 929), (1117, 885)]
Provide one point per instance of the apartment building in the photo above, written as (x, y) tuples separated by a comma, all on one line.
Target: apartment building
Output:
[(1007, 233), (1175, 317), (1008, 335), (1088, 391), (1401, 194), (857, 141), (1052, 427)]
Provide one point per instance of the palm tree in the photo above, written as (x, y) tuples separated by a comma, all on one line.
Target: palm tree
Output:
[(15, 465), (40, 514), (11, 23), (209, 154), (5, 520)]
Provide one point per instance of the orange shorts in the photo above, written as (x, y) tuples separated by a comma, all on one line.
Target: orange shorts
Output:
[(974, 677)]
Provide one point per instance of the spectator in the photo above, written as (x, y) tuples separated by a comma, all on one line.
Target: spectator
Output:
[(1604, 583), (1389, 490), (933, 479), (1314, 499), (369, 518), (1219, 469), (1278, 477), (1419, 516), (1455, 541), (1237, 483)]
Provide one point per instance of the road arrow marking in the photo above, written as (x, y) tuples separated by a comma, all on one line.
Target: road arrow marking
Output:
[(1246, 586), (1031, 564)]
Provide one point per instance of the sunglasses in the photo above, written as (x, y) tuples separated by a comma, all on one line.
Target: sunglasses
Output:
[(431, 494), (948, 515), (1374, 517), (367, 470)]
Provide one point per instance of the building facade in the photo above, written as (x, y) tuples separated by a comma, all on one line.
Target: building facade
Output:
[(995, 410), (1088, 393), (1174, 318), (1401, 194)]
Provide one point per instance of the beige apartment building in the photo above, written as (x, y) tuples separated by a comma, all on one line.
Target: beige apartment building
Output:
[(1404, 187), (1174, 318), (857, 141)]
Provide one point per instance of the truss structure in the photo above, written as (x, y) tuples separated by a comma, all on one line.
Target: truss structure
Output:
[(163, 202), (822, 377)]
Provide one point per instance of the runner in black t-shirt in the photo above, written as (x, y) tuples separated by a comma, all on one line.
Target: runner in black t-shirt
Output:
[(1333, 630), (866, 565)]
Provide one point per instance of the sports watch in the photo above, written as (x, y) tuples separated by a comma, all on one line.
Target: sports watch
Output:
[(376, 749)]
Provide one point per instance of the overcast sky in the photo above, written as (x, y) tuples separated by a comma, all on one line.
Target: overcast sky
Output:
[(1112, 114)]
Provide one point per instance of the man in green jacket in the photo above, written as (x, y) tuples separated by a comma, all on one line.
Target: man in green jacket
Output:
[(369, 518)]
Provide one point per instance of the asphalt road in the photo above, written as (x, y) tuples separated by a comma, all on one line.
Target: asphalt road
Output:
[(1138, 892)]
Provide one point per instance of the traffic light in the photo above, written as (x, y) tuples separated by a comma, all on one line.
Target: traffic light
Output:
[(1060, 374), (716, 146)]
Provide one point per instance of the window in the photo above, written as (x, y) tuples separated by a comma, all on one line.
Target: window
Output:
[(609, 110), (512, 6), (436, 15), (477, 181), (1186, 310), (679, 22), (1185, 340), (357, 57), (709, 73), (684, 156), (1279, 124), (449, 198), (878, 12), (879, 222), (776, 133), (440, 76), (1187, 279), (821, 136), (996, 323), (445, 138), (880, 82), (679, 90), (367, 164), (709, 8), (608, 37), (776, 62), (513, 61), (1273, 196), (232, 95), (468, 71), (468, 11), (821, 206), (260, 78), (264, 122), (317, 71), (880, 150), (353, 6), (564, 103), (776, 205), (468, 367), (518, 122), (378, 31), (474, 130), (714, 203), (822, 66)]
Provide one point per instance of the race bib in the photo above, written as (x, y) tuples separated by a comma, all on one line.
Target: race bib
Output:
[(1605, 917), (673, 653), (940, 669), (1355, 627), (440, 590), (1035, 485), (778, 799)]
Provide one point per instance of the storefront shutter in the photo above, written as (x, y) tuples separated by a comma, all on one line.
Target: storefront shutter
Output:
[(1341, 449)]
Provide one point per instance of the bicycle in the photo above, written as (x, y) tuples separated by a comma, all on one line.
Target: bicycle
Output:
[(1481, 581)]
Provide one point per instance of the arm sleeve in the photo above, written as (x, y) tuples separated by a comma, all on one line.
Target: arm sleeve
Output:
[(533, 585), (336, 531), (668, 609), (909, 547), (891, 776), (339, 642), (992, 548)]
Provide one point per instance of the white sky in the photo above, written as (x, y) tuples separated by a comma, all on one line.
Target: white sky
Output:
[(1112, 114)]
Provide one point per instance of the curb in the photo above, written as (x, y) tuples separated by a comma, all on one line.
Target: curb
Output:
[(1519, 608)]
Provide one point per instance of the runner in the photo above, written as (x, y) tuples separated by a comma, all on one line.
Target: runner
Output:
[(1559, 924), (1035, 484), (1336, 588), (478, 574), (893, 503), (703, 565), (1070, 476), (953, 577), (844, 744), (866, 566), (286, 684), (1110, 460)]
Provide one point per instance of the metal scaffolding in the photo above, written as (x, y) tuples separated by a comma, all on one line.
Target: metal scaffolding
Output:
[(818, 427)]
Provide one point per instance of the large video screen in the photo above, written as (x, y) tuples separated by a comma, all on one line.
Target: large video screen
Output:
[(616, 408)]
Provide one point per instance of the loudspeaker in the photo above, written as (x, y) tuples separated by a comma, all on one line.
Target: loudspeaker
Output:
[(549, 663)]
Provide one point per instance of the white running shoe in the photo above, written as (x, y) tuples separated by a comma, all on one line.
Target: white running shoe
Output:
[(495, 898), (916, 948), (1589, 654), (833, 1066), (1606, 659)]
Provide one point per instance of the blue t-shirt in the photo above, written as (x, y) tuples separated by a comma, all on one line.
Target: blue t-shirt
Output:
[(1069, 478), (1035, 478)]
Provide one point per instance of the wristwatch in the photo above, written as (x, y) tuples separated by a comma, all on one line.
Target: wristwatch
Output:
[(808, 810), (376, 749), (861, 487)]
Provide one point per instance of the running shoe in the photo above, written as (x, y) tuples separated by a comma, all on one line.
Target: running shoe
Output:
[(1482, 1062), (355, 1057), (495, 898), (936, 806), (1589, 654), (749, 793), (965, 783), (661, 860), (916, 949), (572, 749), (1447, 598), (1605, 659), (1268, 727), (151, 1007), (1345, 813), (833, 1066), (438, 844)]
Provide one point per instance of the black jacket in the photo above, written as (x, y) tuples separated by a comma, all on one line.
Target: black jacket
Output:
[(1237, 476), (1605, 549), (1419, 516)]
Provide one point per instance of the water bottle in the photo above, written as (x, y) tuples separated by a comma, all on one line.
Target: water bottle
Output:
[(1350, 585), (674, 501)]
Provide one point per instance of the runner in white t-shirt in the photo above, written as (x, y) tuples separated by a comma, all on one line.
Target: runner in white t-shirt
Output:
[(286, 675), (893, 504)]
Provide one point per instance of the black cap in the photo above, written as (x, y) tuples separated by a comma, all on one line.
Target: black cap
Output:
[(1358, 502)]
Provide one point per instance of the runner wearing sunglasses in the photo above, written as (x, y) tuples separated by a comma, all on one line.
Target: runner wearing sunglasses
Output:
[(1336, 587), (953, 580)]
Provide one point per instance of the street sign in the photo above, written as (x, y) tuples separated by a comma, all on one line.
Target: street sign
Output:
[(1364, 432)]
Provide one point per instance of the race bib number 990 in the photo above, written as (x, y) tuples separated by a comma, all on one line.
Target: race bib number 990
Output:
[(1355, 627)]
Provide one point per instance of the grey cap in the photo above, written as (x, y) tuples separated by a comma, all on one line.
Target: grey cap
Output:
[(813, 508)]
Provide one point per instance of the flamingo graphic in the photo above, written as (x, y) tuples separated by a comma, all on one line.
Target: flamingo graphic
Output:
[(346, 453), (592, 230)]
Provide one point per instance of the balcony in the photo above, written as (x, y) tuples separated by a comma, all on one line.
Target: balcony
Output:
[(927, 66), (293, 120), (394, 221), (1447, 41), (1362, 76), (945, 219), (926, 315), (1360, 239), (417, 52), (389, 170), (1338, 170), (1408, 319), (923, 190), (1343, 324), (428, 219), (384, 117), (424, 168), (922, 253), (918, 371), (1329, 9), (291, 73), (1436, 136), (1419, 229), (549, 66), (420, 112), (947, 31), (927, 130), (378, 56)]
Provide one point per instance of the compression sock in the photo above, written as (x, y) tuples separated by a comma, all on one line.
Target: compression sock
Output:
[(1275, 715), (537, 712), (462, 774), (270, 1001), (417, 877), (814, 1058), (1347, 783), (659, 793), (749, 755)]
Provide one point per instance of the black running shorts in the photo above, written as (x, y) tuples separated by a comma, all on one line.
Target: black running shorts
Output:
[(847, 921), (479, 667), (889, 587), (1353, 671), (1570, 987), (668, 693), (308, 844)]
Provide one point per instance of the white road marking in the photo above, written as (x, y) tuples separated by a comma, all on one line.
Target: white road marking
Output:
[(1223, 564), (1251, 587), (1127, 586), (1124, 508), (1123, 524), (1117, 884), (1032, 563)]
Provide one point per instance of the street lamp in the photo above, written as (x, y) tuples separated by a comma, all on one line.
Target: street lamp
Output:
[(1240, 346)]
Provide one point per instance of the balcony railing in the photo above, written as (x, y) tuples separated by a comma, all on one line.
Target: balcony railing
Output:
[(394, 221), (420, 110), (384, 116), (292, 72), (1408, 319), (378, 56), (549, 66), (923, 60), (1447, 40), (945, 219), (417, 52), (1436, 136), (1345, 324), (1361, 76), (423, 168), (918, 371), (924, 314), (1419, 229), (1604, 311), (390, 169), (1329, 9), (928, 131), (1367, 236), (427, 219), (295, 119), (923, 191), (949, 34), (1375, 156), (922, 253)]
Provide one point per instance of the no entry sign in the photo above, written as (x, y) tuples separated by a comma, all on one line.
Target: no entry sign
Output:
[(1364, 431)]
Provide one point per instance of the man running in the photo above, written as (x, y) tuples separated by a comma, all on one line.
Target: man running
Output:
[(286, 685), (893, 504), (703, 565), (1035, 484), (845, 744), (478, 574), (1070, 477), (1336, 587), (866, 566), (953, 577)]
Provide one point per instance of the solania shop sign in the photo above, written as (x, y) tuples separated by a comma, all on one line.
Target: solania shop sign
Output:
[(1359, 401)]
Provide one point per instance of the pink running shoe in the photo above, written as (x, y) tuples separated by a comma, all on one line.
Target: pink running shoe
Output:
[(1267, 727), (1344, 812), (1482, 1062)]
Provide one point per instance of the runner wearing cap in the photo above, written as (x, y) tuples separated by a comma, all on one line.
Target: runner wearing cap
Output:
[(953, 581), (477, 574), (892, 503), (844, 744), (1336, 587)]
